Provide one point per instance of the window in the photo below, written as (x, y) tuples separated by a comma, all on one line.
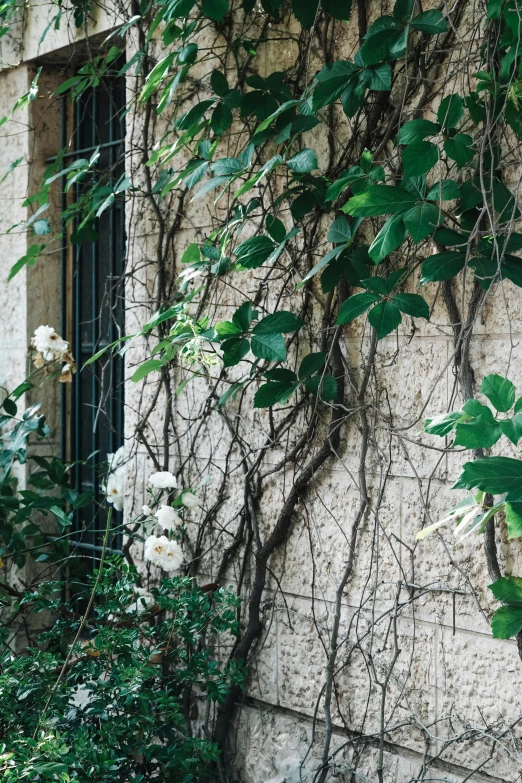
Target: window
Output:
[(92, 297)]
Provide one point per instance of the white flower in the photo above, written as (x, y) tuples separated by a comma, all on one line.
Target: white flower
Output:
[(167, 517), (117, 459), (164, 553), (144, 600), (114, 489), (164, 479), (189, 500), (49, 343), (146, 510)]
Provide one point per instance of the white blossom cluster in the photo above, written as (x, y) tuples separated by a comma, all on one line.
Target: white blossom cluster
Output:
[(163, 552), (50, 347)]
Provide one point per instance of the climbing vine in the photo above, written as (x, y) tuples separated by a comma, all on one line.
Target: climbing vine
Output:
[(291, 231)]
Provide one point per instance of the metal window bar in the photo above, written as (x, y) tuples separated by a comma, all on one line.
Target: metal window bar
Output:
[(92, 312)]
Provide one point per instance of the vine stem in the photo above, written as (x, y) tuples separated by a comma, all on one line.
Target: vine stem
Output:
[(83, 622)]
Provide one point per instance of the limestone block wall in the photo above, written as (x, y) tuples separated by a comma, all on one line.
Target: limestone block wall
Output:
[(421, 688)]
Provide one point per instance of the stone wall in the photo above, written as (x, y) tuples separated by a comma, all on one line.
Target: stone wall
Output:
[(418, 610)]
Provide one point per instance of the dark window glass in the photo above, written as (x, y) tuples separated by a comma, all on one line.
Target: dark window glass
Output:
[(93, 308)]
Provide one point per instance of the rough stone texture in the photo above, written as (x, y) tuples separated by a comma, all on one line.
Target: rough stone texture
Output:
[(447, 664)]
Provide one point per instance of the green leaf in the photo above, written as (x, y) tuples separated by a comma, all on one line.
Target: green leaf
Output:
[(518, 405), (442, 266), (219, 83), (445, 190), (338, 10), (340, 231), (281, 374), (221, 119), (274, 392), (10, 408), (191, 254), (402, 10), (227, 329), (417, 130), (30, 259), (460, 149), (381, 78), (234, 349), (384, 317), (275, 228), (451, 111), (491, 474), (379, 200), (512, 428), (412, 304), (305, 11), (478, 433), (214, 9), (194, 115), (253, 252), (231, 393), (242, 318), (508, 589), (506, 622), (499, 391), (311, 364), (323, 385), (430, 22), (268, 345), (303, 162), (389, 238), (152, 365), (494, 8), (443, 424), (422, 220), (386, 44), (282, 321), (354, 306), (419, 157), (514, 519)]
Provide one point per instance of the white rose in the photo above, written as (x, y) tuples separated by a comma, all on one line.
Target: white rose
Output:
[(164, 553), (114, 489), (117, 459), (189, 500), (164, 479), (49, 343), (146, 510), (167, 517)]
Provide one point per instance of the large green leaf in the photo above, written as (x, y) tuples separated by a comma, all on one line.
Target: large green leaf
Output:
[(460, 149), (419, 157), (417, 130), (234, 349), (311, 364), (512, 428), (402, 10), (221, 119), (443, 266), (386, 44), (268, 345), (305, 11), (450, 111), (506, 622), (354, 306), (274, 392), (333, 80), (389, 238), (422, 220), (445, 190), (499, 391), (384, 317), (508, 589), (338, 10), (303, 162), (478, 433), (492, 474), (379, 200), (253, 252), (430, 22), (443, 424), (151, 365), (282, 321), (412, 304), (340, 231), (215, 9)]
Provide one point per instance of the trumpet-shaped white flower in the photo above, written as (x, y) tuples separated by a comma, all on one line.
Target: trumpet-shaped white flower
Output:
[(163, 479), (49, 343), (114, 489), (167, 517), (190, 500), (146, 511), (163, 552)]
